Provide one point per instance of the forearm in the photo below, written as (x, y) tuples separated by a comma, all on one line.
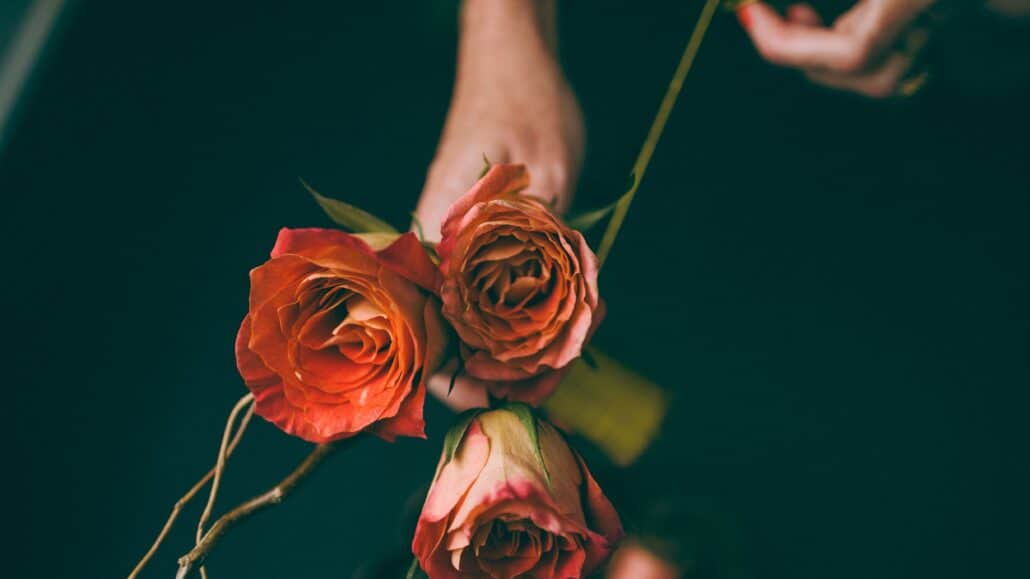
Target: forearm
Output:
[(485, 22), (498, 36)]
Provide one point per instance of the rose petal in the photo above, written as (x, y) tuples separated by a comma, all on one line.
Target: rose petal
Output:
[(601, 515), (408, 421), (500, 180), (407, 257), (458, 474)]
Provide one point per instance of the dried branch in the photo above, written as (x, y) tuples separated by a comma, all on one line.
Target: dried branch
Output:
[(194, 490), (195, 558), (219, 469)]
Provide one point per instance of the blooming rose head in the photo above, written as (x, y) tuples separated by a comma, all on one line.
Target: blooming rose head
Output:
[(520, 287), (511, 503), (341, 333)]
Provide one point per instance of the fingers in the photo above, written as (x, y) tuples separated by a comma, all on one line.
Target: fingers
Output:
[(801, 44), (859, 53), (883, 81), (467, 393), (856, 41), (449, 177), (879, 83)]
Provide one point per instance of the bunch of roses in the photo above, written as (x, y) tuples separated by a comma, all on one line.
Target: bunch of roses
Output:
[(343, 331)]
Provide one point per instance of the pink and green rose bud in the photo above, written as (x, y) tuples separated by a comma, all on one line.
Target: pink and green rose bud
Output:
[(512, 499)]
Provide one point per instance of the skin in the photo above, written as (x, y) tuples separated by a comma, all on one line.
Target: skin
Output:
[(633, 561), (871, 50), (512, 103)]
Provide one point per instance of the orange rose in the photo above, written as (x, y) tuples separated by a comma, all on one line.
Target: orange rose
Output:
[(520, 287), (340, 336), (499, 508)]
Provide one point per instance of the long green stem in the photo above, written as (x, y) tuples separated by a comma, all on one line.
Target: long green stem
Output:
[(657, 126)]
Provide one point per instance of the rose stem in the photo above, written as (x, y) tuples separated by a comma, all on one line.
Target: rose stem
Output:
[(655, 132), (192, 560), (219, 469), (190, 494)]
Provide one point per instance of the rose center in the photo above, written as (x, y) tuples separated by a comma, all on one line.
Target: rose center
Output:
[(519, 281), (363, 335)]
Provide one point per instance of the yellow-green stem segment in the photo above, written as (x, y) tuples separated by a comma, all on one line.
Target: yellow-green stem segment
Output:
[(655, 133)]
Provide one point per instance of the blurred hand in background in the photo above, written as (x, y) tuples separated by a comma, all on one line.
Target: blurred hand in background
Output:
[(872, 49)]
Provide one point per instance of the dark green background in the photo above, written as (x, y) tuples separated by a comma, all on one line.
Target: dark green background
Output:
[(836, 288)]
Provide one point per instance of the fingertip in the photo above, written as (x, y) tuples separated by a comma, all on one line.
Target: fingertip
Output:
[(750, 12), (744, 15), (760, 13)]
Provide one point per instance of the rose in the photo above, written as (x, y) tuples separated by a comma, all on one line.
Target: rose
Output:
[(520, 287), (340, 336), (511, 504)]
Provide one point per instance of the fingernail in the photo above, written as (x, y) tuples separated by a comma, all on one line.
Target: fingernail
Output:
[(744, 16)]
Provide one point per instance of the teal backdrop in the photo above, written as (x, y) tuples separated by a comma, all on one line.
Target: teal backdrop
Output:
[(836, 289)]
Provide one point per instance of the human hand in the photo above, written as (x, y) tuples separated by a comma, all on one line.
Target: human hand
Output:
[(871, 49), (511, 104)]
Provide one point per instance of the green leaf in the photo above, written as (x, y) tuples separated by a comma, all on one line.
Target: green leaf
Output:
[(349, 216), (527, 417), (618, 410), (585, 221), (457, 432)]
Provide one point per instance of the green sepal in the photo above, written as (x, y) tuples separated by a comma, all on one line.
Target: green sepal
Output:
[(453, 437), (418, 228), (527, 416), (585, 221), (349, 216), (486, 166), (457, 371)]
